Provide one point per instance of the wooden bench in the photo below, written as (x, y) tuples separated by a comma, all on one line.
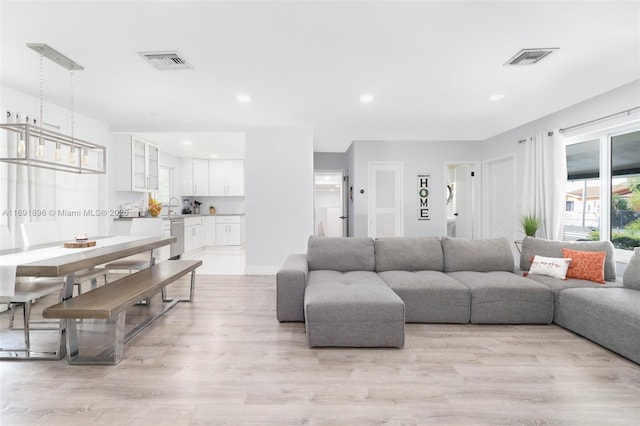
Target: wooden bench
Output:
[(113, 300)]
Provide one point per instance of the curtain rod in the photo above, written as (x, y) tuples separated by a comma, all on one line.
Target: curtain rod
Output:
[(524, 140), (628, 111)]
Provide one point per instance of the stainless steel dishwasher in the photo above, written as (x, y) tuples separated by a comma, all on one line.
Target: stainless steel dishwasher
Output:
[(177, 230)]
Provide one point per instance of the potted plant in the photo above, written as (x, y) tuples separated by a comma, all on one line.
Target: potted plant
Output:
[(530, 224)]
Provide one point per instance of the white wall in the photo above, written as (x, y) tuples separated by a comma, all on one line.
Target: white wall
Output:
[(419, 157), (620, 99), (73, 192), (279, 195)]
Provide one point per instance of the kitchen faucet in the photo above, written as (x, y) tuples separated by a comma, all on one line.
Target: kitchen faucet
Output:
[(171, 205)]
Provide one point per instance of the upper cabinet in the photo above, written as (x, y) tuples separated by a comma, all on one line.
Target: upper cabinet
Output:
[(138, 164), (201, 177), (213, 177), (226, 177)]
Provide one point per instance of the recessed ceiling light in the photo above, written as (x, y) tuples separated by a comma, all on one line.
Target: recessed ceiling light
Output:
[(187, 142), (367, 98), (496, 97), (243, 99), (214, 155)]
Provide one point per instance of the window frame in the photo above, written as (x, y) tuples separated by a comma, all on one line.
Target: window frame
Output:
[(605, 135)]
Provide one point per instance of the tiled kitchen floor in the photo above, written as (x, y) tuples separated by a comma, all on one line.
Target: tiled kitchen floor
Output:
[(220, 261)]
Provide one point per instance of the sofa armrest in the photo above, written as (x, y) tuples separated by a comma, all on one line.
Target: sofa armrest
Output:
[(291, 281)]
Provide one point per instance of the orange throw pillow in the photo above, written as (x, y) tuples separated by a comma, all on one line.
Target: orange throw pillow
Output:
[(585, 265)]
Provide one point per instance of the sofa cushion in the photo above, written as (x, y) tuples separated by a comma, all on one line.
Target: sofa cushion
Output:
[(585, 265), (409, 254), (631, 277), (532, 246), (607, 316), (341, 254), (430, 296), (506, 298), (461, 254)]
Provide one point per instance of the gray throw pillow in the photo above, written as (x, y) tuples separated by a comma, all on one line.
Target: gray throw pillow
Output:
[(341, 254), (477, 255), (548, 248), (631, 277)]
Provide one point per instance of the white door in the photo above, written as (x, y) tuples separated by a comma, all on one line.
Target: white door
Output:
[(385, 200), (500, 207), (464, 201)]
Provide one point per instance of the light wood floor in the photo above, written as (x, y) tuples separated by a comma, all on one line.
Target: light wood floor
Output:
[(225, 360)]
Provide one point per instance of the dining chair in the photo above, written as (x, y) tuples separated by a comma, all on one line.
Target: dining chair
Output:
[(34, 233), (151, 227), (26, 292)]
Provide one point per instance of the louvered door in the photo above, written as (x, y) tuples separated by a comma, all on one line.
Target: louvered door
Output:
[(385, 200)]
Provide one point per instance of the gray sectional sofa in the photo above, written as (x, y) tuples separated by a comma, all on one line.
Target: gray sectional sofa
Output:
[(359, 292)]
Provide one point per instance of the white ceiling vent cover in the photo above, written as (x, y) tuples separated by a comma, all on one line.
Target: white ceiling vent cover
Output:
[(166, 60), (530, 56)]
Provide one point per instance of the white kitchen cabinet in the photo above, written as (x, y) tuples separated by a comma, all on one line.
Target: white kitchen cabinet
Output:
[(228, 231), (209, 231), (200, 177), (164, 252), (187, 177), (138, 164), (193, 234), (226, 177), (195, 177)]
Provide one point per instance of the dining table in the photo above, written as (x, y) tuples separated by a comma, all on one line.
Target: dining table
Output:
[(56, 260)]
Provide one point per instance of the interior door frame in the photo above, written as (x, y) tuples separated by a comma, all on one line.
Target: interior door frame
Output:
[(344, 205), (476, 195)]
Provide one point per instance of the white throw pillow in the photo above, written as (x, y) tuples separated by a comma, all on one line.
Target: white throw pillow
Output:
[(555, 267)]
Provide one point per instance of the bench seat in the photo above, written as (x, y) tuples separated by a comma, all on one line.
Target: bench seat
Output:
[(113, 299)]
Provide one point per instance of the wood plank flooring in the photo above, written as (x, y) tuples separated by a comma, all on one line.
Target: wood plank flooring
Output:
[(225, 360)]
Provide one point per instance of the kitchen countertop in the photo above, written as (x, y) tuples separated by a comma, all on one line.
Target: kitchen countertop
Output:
[(181, 216)]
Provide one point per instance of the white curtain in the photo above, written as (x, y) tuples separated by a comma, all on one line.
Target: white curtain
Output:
[(545, 177), (26, 192)]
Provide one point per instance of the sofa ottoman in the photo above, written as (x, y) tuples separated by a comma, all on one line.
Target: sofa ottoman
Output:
[(352, 309), (345, 302)]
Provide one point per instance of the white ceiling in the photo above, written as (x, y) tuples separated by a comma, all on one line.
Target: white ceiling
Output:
[(431, 66)]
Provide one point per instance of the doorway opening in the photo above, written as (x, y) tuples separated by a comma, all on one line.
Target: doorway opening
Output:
[(331, 216), (462, 199)]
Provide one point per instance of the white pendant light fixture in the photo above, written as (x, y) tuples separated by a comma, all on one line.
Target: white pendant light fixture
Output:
[(34, 141)]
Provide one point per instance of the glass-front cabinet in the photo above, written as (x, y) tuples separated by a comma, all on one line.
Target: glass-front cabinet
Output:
[(138, 164)]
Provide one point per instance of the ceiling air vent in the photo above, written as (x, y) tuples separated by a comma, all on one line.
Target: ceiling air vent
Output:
[(166, 60), (530, 56)]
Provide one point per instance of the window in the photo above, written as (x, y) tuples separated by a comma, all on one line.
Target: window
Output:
[(625, 190), (165, 180), (604, 170)]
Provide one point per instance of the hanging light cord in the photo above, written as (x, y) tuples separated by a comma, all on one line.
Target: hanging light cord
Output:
[(71, 91), (41, 142)]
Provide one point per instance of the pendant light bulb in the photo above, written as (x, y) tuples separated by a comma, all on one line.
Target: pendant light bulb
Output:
[(71, 159), (85, 157), (21, 145), (57, 154), (40, 149)]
